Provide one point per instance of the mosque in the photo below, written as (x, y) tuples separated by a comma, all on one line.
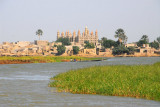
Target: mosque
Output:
[(80, 38)]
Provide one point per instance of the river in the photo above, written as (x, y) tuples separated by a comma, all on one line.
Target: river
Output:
[(26, 85)]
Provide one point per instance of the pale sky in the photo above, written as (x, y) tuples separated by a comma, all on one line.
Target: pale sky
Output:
[(19, 19)]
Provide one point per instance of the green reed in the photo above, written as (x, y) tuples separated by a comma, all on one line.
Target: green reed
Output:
[(140, 81)]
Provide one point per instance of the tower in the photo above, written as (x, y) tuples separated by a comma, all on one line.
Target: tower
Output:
[(83, 34), (74, 36), (62, 34), (66, 34), (92, 33), (70, 37), (58, 35), (79, 33), (86, 31), (78, 36)]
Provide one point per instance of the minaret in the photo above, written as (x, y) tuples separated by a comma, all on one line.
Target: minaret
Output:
[(86, 31), (70, 37), (74, 36), (58, 35), (66, 34), (79, 35), (62, 34), (83, 34), (92, 33)]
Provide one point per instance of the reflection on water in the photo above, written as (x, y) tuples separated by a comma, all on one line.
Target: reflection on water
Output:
[(25, 85)]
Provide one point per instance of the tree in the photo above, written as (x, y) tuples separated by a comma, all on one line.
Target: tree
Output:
[(65, 41), (75, 49), (121, 35), (120, 50), (88, 45), (103, 39), (141, 42), (144, 40), (131, 50), (154, 45), (61, 49), (39, 32), (109, 43), (158, 39)]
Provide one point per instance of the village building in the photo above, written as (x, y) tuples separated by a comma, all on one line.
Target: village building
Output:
[(41, 42), (54, 44), (131, 45), (22, 43)]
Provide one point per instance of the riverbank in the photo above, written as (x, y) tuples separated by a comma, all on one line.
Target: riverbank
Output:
[(139, 81), (42, 59)]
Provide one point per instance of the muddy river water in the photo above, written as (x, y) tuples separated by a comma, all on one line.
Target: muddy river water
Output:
[(26, 85)]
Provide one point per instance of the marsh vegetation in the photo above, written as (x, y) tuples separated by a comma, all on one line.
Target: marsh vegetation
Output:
[(140, 81)]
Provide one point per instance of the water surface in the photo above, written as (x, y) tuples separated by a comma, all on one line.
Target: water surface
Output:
[(26, 85)]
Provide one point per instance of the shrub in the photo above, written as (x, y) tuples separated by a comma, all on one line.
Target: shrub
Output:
[(88, 45), (65, 41), (109, 43), (61, 49), (154, 45), (120, 50), (131, 50), (75, 49)]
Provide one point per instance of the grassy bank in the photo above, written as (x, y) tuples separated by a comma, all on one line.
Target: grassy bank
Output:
[(140, 81), (40, 59)]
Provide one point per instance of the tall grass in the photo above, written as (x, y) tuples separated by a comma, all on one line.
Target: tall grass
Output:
[(140, 81)]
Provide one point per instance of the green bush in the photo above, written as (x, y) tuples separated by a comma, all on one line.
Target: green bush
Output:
[(131, 50), (61, 49), (75, 49), (120, 50), (65, 41), (88, 45), (109, 43), (154, 45)]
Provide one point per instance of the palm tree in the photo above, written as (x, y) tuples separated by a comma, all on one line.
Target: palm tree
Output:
[(39, 33), (121, 35)]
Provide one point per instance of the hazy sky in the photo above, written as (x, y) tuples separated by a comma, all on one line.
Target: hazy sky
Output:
[(19, 19)]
